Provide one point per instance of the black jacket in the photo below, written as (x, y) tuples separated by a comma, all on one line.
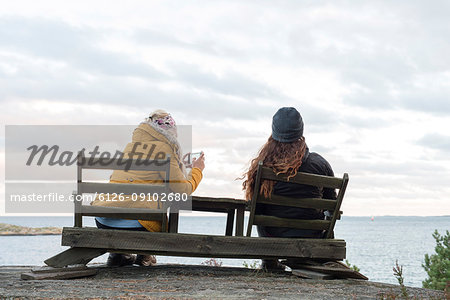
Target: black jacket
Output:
[(312, 163)]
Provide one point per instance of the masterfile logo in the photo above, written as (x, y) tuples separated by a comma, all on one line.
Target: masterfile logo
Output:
[(42, 163)]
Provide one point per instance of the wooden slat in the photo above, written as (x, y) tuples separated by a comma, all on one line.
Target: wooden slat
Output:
[(78, 219), (193, 245), (164, 223), (200, 205), (210, 209), (339, 264), (124, 164), (229, 201), (74, 256), (47, 269), (291, 223), (122, 213), (308, 274), (335, 268), (255, 196), (240, 213), (125, 188), (230, 222), (295, 263), (59, 275), (336, 213), (304, 178), (339, 272), (317, 203), (173, 222)]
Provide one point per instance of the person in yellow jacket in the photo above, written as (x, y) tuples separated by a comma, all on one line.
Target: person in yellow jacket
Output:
[(158, 133)]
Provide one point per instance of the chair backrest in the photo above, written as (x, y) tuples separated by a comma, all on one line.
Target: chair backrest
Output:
[(330, 205), (123, 189)]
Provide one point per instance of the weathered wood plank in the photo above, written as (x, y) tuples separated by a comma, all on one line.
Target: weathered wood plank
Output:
[(123, 213), (228, 201), (59, 275), (255, 196), (295, 263), (340, 198), (122, 188), (47, 269), (74, 256), (308, 274), (240, 213), (338, 272), (173, 222), (304, 178), (230, 222), (335, 268), (337, 264), (317, 203), (202, 245), (291, 223), (78, 217)]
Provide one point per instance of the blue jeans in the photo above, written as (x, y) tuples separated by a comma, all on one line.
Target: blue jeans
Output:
[(101, 226)]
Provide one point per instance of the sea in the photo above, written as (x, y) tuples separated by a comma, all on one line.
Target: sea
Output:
[(373, 244)]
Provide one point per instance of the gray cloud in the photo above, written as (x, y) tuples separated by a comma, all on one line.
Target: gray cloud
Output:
[(78, 47), (435, 141), (89, 73), (153, 37), (372, 122), (232, 83), (380, 50), (431, 101), (372, 50)]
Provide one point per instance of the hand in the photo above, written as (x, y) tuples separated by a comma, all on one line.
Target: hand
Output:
[(199, 162), (185, 161)]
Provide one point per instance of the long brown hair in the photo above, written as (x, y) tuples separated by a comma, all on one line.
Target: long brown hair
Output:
[(283, 158)]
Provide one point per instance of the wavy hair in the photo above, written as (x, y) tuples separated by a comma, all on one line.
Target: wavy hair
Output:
[(282, 158)]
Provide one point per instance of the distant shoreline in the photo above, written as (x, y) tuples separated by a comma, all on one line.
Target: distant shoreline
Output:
[(16, 230), (26, 234)]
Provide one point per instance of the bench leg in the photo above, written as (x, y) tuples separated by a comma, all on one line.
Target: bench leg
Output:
[(173, 222), (74, 256), (240, 222), (230, 221)]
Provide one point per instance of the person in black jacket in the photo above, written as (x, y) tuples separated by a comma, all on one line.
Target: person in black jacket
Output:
[(286, 152)]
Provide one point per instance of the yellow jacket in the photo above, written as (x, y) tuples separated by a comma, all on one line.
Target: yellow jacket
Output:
[(148, 135)]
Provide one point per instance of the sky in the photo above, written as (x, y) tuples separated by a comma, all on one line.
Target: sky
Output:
[(371, 80)]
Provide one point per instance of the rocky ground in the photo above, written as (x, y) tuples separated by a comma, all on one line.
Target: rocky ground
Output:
[(8, 229), (197, 282)]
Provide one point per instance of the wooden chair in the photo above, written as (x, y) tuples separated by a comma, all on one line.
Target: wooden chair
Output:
[(330, 205), (117, 189)]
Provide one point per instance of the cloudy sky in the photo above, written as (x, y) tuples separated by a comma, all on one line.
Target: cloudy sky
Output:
[(371, 80)]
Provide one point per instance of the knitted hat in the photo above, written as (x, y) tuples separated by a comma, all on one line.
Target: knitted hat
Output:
[(164, 121), (287, 125)]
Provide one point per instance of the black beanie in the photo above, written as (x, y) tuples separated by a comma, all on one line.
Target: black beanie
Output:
[(287, 125)]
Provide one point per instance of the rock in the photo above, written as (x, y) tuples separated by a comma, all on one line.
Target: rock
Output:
[(201, 282)]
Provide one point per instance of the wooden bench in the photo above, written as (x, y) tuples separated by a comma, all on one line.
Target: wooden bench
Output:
[(88, 243)]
